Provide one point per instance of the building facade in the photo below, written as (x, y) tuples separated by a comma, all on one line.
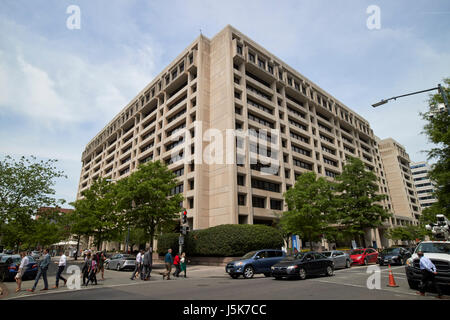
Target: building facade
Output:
[(399, 177), (424, 186), (237, 125)]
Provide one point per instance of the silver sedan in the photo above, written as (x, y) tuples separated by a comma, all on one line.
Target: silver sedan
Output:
[(340, 258), (121, 262)]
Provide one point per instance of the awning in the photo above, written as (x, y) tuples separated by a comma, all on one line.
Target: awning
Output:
[(67, 243)]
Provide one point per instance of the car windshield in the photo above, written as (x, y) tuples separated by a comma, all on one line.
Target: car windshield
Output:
[(327, 253), (391, 251), (434, 248), (358, 251), (248, 255), (4, 258), (297, 256)]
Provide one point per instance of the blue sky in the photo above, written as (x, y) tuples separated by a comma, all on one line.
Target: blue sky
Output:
[(60, 87)]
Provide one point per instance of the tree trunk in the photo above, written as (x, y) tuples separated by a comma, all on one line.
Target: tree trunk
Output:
[(78, 247), (310, 243)]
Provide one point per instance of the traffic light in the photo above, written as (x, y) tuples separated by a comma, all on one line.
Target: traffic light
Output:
[(184, 219)]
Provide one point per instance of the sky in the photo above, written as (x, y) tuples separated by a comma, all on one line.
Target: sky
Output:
[(59, 87)]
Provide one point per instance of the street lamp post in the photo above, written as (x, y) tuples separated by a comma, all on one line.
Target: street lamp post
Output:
[(439, 88)]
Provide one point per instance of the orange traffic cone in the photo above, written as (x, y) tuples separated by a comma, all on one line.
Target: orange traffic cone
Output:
[(391, 279)]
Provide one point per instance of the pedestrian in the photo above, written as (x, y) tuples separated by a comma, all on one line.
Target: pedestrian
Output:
[(428, 270), (168, 260), (92, 272), (147, 264), (86, 268), (101, 264), (61, 266), (137, 266), (176, 263), (42, 271), (183, 263), (22, 269)]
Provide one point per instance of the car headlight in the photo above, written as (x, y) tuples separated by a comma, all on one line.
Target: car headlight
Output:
[(273, 268), (358, 258), (394, 257), (292, 267), (239, 264), (409, 262)]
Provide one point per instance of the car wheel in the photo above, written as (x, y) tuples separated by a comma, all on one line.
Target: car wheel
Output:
[(249, 272), (234, 276), (348, 264), (329, 272), (302, 274), (413, 284), (118, 267)]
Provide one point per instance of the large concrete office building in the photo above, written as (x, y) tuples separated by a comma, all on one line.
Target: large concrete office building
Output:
[(225, 83), (402, 190), (424, 186)]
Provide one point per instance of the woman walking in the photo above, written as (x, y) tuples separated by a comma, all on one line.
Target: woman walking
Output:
[(92, 272), (22, 268), (183, 263), (101, 264)]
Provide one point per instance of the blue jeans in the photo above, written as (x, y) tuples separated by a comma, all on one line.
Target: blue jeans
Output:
[(59, 276), (41, 272)]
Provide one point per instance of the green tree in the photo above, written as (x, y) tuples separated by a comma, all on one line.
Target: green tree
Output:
[(25, 186), (310, 207), (148, 200), (96, 213), (358, 200), (438, 131), (407, 233)]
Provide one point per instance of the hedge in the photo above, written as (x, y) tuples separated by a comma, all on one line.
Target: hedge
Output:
[(224, 240)]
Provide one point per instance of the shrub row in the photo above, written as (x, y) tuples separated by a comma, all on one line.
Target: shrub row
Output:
[(224, 240)]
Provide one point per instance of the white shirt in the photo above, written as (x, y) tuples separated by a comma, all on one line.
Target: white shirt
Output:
[(138, 258), (24, 262), (425, 263), (62, 260)]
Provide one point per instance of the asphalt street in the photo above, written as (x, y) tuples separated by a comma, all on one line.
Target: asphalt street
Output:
[(212, 283)]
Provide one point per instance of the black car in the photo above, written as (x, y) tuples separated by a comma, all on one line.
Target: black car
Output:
[(395, 255), (303, 264)]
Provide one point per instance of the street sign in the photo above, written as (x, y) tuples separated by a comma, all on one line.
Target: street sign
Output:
[(181, 240)]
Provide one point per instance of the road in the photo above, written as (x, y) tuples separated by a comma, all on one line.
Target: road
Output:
[(212, 283)]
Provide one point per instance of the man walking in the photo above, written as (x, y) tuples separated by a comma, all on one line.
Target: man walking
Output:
[(61, 266), (147, 262), (137, 268), (168, 260), (43, 267), (428, 275)]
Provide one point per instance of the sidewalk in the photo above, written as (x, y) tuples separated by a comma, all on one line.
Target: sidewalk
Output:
[(112, 279)]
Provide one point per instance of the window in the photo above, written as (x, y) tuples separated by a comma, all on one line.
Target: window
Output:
[(302, 164), (261, 63), (265, 185), (191, 184), (178, 189), (251, 57), (271, 69), (191, 203), (301, 150), (239, 49), (240, 180), (276, 204), (241, 199), (179, 172), (258, 202)]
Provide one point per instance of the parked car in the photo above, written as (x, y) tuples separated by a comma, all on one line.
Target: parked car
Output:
[(121, 262), (254, 262), (13, 262), (395, 255), (340, 258), (364, 256), (302, 265), (35, 254)]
